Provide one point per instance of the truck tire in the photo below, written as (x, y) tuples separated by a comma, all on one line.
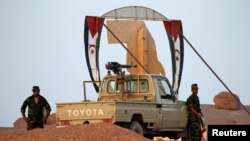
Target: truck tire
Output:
[(136, 127)]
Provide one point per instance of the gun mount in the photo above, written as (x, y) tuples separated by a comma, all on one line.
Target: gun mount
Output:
[(116, 67)]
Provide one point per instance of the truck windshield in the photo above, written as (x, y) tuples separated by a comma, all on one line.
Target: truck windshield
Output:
[(164, 89), (130, 86), (111, 87)]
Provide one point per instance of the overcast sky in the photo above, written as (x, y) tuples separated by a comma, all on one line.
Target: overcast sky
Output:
[(41, 43)]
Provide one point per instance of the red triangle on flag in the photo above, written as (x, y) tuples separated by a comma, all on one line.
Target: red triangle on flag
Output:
[(94, 23), (173, 28)]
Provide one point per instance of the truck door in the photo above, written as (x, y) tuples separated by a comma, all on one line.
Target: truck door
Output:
[(169, 108)]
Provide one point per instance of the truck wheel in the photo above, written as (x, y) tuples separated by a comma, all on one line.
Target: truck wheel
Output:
[(136, 127)]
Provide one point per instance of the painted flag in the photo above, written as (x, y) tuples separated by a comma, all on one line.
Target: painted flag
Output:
[(174, 32), (92, 32)]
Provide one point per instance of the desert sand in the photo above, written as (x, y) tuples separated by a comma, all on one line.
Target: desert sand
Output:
[(108, 132)]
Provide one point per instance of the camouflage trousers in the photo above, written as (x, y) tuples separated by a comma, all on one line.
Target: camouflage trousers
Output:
[(194, 126), (34, 123), (195, 131)]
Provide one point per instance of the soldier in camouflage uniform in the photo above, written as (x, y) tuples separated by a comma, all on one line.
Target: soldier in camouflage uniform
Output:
[(194, 116), (36, 105)]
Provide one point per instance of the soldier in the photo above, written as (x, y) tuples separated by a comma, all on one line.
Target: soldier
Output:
[(194, 116), (36, 105)]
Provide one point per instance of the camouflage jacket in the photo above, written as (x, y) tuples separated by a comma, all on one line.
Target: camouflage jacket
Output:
[(35, 110), (193, 101)]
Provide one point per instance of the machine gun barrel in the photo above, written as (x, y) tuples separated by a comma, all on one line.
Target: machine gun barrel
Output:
[(127, 66), (116, 67)]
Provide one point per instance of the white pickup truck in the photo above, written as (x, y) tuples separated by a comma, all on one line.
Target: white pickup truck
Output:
[(144, 103)]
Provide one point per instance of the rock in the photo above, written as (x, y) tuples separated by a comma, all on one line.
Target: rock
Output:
[(20, 123), (225, 100), (51, 119), (165, 139), (161, 139)]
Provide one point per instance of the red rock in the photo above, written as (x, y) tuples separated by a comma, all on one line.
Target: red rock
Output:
[(19, 123), (51, 119), (226, 100)]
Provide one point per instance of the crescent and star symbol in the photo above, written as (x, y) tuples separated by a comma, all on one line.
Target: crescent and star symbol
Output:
[(177, 55), (92, 48)]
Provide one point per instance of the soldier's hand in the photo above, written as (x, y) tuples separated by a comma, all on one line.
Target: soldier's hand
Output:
[(199, 115)]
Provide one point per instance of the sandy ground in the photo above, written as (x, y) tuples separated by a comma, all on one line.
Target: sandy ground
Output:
[(108, 132), (92, 132)]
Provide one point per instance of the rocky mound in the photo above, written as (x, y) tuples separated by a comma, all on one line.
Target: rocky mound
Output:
[(226, 100), (91, 132)]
